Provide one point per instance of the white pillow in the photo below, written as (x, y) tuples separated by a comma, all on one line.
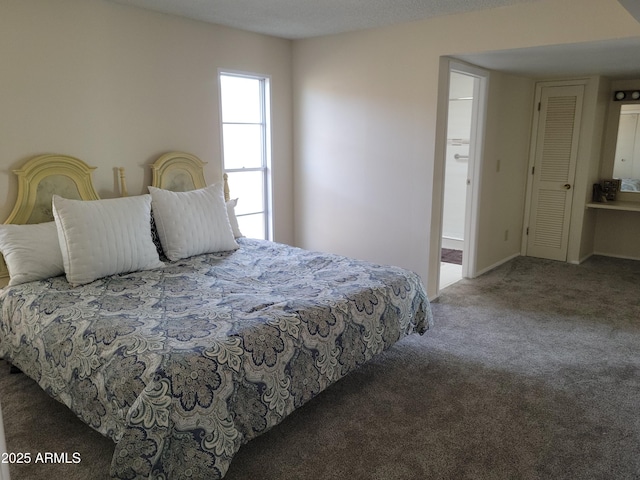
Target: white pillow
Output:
[(31, 252), (233, 221), (191, 223), (104, 237)]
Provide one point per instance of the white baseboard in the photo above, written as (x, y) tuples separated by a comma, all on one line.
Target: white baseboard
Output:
[(497, 264), (454, 243), (583, 259), (624, 257)]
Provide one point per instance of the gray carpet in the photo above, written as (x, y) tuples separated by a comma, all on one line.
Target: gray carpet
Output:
[(531, 372)]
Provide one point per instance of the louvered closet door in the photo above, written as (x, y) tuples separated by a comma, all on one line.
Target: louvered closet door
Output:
[(555, 157)]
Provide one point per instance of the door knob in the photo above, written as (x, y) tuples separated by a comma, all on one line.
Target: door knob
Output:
[(567, 186)]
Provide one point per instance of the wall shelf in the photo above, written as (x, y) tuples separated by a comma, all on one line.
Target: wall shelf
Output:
[(617, 205)]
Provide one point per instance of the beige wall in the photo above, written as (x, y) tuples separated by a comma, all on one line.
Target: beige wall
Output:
[(583, 221), (119, 86), (505, 169), (365, 126)]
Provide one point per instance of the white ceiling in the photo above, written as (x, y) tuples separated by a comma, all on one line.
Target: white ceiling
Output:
[(617, 59), (297, 19)]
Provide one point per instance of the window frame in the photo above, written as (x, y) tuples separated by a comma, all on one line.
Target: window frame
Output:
[(265, 124)]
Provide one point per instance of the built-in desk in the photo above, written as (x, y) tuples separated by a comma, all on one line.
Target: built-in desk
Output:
[(617, 205)]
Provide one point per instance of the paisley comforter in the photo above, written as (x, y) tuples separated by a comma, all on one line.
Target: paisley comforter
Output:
[(180, 366)]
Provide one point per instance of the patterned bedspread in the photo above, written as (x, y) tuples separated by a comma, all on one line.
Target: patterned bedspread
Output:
[(181, 366), (630, 185)]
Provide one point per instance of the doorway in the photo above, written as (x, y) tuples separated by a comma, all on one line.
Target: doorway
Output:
[(465, 127)]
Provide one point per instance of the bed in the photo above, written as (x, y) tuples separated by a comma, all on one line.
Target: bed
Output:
[(182, 363), (630, 185)]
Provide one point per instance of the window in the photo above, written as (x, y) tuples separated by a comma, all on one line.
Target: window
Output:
[(246, 149)]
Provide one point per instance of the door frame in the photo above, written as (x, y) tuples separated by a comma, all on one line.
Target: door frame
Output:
[(476, 145), (476, 150)]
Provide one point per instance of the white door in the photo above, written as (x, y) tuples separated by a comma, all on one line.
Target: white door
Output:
[(457, 184), (553, 171), (470, 132)]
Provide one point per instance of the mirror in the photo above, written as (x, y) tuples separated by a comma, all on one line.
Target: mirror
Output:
[(626, 165)]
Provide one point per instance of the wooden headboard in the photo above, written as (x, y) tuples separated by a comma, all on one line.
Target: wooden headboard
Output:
[(181, 172), (45, 175), (38, 180)]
